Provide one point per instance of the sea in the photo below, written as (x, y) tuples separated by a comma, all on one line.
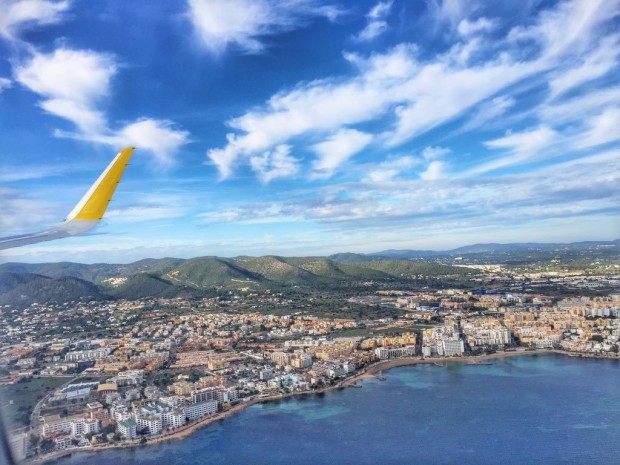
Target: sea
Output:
[(535, 409)]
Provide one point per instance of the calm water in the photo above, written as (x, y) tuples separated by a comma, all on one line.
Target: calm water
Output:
[(521, 410)]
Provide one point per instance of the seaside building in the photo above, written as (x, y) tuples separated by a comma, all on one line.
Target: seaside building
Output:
[(452, 347), (153, 423), (174, 418), (84, 426), (385, 353), (199, 410), (127, 428)]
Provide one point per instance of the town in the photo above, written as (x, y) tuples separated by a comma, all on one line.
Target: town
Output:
[(119, 373)]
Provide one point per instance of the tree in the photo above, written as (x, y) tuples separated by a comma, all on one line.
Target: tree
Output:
[(47, 445), (34, 440), (108, 429)]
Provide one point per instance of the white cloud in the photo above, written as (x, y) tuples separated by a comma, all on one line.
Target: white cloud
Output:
[(577, 187), (600, 129), (376, 24), (488, 112), (88, 119), (435, 170), (391, 168), (451, 11), (595, 64), (18, 14), (337, 149), (520, 146), (16, 173), (468, 28), (245, 23), (160, 137), (21, 214), (414, 95), (573, 110), (76, 75), (72, 83), (569, 28), (524, 142), (274, 164), (433, 153), (5, 84)]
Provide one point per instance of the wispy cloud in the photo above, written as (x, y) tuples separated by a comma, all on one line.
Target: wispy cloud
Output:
[(584, 69), (391, 168), (245, 24), (276, 163), (418, 95), (155, 206), (599, 129), (575, 188), (5, 83), (519, 146), (449, 11), (337, 149), (21, 213), (469, 28), (376, 22), (488, 112), (20, 14)]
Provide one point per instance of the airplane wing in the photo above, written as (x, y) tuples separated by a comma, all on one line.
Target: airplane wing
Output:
[(87, 213)]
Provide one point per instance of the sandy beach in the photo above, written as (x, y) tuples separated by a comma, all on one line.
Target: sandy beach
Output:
[(370, 372)]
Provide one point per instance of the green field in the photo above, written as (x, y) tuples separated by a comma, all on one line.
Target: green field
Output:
[(19, 399)]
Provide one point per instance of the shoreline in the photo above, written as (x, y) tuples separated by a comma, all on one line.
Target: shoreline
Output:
[(368, 373)]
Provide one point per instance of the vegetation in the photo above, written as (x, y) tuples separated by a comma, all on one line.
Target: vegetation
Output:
[(20, 398), (346, 274)]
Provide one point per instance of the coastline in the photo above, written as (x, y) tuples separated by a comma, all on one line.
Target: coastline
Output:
[(369, 372)]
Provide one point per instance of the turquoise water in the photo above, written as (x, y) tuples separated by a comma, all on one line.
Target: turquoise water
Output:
[(521, 410)]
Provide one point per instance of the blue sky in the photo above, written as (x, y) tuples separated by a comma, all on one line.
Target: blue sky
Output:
[(308, 127)]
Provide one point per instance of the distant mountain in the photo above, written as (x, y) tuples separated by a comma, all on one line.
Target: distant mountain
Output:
[(348, 257), (42, 289), (610, 247), (23, 284), (10, 280)]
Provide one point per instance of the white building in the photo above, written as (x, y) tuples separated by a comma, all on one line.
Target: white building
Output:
[(195, 411), (174, 419), (127, 428), (452, 347), (62, 442), (385, 353), (54, 425), (153, 423), (87, 355), (84, 427)]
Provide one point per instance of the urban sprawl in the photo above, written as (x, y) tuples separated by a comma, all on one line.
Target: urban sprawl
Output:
[(166, 365)]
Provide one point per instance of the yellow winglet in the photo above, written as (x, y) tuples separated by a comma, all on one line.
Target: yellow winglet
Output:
[(95, 202)]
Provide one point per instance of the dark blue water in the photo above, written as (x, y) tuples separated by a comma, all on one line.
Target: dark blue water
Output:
[(521, 410)]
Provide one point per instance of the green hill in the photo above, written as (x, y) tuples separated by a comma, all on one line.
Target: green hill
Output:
[(171, 277), (143, 285), (41, 289)]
